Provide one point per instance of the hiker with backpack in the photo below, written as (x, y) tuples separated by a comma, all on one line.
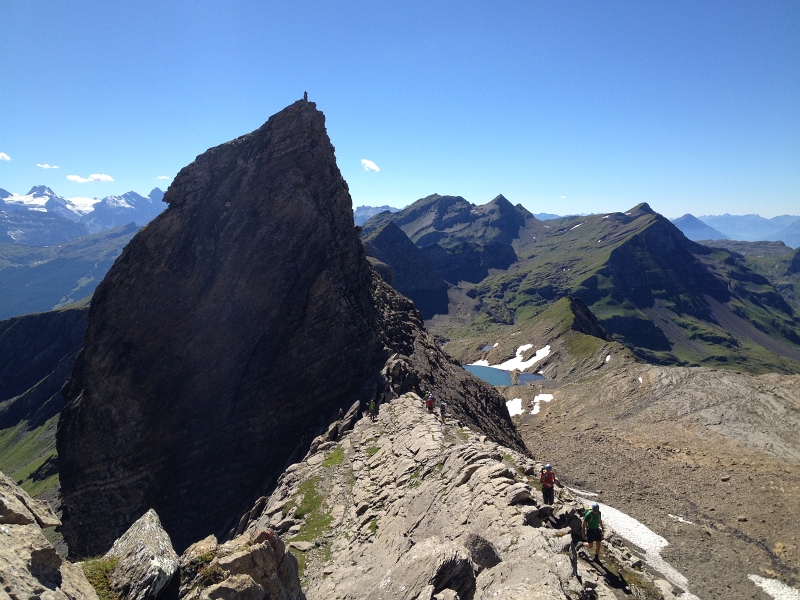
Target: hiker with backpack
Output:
[(372, 410), (443, 410), (429, 402), (593, 529), (547, 478)]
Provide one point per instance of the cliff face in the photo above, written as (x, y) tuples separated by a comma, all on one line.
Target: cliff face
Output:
[(228, 332), (414, 275)]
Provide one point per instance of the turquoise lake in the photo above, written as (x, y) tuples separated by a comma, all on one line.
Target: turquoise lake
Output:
[(499, 377)]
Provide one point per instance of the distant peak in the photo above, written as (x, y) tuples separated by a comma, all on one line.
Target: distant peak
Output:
[(500, 199), (41, 190), (641, 209)]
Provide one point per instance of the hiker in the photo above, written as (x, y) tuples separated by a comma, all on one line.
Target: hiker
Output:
[(341, 414), (429, 402), (547, 478), (593, 529), (372, 410), (443, 410)]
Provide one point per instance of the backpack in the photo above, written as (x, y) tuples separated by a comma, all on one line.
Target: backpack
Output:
[(548, 478)]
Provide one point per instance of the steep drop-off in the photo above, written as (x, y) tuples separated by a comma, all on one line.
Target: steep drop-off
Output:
[(228, 333)]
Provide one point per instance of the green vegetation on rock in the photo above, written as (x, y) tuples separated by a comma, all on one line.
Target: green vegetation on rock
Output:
[(98, 573)]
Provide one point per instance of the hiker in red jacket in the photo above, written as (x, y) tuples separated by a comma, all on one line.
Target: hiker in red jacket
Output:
[(548, 479)]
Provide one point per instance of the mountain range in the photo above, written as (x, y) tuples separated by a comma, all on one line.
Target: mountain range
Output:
[(748, 228), (664, 297), (43, 218)]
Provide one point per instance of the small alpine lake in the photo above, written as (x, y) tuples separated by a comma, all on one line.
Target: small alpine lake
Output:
[(499, 377)]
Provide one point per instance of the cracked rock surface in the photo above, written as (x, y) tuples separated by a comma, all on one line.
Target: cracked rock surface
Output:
[(406, 507)]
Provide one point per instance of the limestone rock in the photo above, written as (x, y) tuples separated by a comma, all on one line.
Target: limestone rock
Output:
[(426, 516), (434, 562), (29, 565), (147, 560), (254, 565), (183, 315), (18, 508), (237, 587)]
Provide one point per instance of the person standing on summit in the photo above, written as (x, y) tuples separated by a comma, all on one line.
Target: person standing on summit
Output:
[(548, 479)]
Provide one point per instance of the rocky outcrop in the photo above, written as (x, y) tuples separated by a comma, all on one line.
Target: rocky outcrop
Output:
[(145, 560), (414, 275), (29, 565), (408, 507), (253, 566), (794, 266), (228, 334)]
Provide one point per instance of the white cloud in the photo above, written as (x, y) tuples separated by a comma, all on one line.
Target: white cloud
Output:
[(92, 177), (46, 166), (163, 177), (563, 197), (4, 156), (369, 165)]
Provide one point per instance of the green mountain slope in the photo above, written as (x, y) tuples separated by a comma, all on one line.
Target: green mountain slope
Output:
[(667, 299), (35, 279), (37, 353)]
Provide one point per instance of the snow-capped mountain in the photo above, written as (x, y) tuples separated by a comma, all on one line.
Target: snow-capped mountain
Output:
[(42, 217)]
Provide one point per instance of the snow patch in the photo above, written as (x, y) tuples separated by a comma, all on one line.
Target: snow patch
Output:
[(639, 534), (608, 358), (82, 206), (775, 588), (576, 226), (515, 407), (538, 399), (640, 379), (496, 344), (517, 364)]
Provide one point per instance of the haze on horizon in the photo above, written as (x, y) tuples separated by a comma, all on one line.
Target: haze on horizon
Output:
[(570, 108)]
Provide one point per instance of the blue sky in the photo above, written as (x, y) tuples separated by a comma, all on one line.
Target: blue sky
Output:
[(566, 107)]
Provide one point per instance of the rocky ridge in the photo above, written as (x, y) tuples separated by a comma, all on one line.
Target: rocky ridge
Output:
[(250, 305), (408, 507)]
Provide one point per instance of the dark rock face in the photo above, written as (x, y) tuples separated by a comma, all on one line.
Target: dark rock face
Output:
[(468, 261), (794, 266), (36, 356), (226, 335), (414, 275)]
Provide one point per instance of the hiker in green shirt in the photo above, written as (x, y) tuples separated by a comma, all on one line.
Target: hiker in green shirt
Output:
[(593, 529)]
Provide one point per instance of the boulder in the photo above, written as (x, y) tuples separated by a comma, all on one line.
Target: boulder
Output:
[(146, 560)]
